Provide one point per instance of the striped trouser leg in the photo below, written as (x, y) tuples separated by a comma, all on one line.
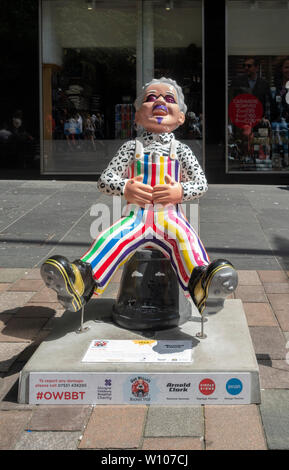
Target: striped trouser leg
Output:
[(177, 238), (113, 247), (169, 231)]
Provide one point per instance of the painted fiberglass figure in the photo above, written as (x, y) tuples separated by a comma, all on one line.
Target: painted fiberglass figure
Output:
[(155, 173)]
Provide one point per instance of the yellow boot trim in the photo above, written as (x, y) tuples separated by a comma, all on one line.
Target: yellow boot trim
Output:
[(78, 283), (202, 303), (76, 302)]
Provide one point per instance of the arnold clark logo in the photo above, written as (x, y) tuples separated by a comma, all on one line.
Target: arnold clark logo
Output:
[(178, 391), (178, 387)]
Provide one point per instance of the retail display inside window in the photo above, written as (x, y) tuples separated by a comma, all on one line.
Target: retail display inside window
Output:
[(95, 57), (258, 87), (85, 92)]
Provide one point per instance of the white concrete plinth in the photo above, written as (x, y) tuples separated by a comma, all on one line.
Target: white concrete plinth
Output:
[(224, 363)]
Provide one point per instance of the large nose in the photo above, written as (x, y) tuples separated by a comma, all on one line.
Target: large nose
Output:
[(161, 99)]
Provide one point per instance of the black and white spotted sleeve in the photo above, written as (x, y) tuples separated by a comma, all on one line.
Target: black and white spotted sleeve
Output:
[(193, 179), (112, 180)]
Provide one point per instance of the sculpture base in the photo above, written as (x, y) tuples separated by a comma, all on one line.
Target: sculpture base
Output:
[(149, 296), (55, 374)]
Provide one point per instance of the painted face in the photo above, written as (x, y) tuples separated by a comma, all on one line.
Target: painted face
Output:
[(160, 111)]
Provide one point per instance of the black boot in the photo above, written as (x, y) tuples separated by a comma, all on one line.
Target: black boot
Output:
[(210, 285), (73, 282)]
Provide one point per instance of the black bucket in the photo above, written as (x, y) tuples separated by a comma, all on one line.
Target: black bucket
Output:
[(149, 296)]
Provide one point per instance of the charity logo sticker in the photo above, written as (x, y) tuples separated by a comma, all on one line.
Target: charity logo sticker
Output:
[(234, 386), (207, 386), (98, 344), (140, 387)]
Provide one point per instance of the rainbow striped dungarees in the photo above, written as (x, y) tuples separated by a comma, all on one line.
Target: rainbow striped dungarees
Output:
[(162, 228)]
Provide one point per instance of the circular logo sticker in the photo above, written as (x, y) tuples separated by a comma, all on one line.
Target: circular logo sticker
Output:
[(234, 386), (207, 386), (245, 110)]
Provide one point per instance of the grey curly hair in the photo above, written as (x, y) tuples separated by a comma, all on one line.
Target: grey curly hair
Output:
[(181, 100)]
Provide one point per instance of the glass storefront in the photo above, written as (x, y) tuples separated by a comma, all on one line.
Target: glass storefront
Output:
[(96, 56), (257, 86)]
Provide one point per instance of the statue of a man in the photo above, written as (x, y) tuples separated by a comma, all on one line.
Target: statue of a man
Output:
[(154, 173)]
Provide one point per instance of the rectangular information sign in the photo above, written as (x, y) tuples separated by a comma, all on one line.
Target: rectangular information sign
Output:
[(109, 350), (230, 388)]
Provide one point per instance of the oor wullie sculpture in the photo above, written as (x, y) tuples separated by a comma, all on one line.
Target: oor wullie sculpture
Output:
[(154, 173)]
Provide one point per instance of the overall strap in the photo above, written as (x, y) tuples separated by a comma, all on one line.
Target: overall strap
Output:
[(173, 149), (139, 148), (138, 153)]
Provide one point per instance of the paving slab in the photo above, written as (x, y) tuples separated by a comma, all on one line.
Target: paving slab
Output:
[(274, 374), (234, 428), (227, 336), (248, 278), (4, 286), (268, 341), (44, 295), (12, 425), (259, 314), (272, 276), (275, 417), (8, 274), (178, 421), (33, 274), (50, 440), (172, 443), (279, 302), (27, 285), (13, 300), (283, 319), (9, 353), (21, 329), (276, 288), (251, 293), (31, 310), (59, 418), (8, 384), (114, 427)]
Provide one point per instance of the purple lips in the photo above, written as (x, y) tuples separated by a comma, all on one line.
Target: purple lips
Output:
[(160, 107)]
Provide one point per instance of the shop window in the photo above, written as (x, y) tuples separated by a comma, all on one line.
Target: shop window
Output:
[(178, 54), (258, 86), (96, 55)]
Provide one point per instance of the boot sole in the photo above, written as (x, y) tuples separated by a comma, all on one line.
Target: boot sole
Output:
[(55, 277), (214, 293)]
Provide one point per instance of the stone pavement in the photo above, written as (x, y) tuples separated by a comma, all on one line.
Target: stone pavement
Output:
[(28, 311)]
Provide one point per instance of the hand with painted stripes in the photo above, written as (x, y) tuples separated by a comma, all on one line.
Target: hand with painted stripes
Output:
[(169, 193), (136, 192)]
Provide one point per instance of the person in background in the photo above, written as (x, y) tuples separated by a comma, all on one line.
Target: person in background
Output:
[(89, 130), (280, 90), (21, 140), (251, 82)]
